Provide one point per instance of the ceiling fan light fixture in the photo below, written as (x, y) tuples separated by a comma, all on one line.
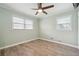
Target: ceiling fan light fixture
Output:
[(40, 10)]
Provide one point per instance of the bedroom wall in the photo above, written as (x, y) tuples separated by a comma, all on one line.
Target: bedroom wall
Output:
[(1, 30), (49, 31), (10, 36)]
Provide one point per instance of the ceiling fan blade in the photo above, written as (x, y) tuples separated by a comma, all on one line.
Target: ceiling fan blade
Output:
[(75, 5), (36, 13), (48, 7), (44, 12), (39, 5)]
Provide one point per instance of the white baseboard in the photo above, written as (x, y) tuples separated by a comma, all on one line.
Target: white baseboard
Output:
[(18, 43), (61, 43), (41, 39)]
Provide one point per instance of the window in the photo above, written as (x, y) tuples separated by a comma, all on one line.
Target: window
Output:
[(19, 23), (64, 23), (28, 24)]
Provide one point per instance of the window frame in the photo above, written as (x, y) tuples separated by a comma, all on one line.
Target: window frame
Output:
[(28, 24), (24, 24), (64, 23)]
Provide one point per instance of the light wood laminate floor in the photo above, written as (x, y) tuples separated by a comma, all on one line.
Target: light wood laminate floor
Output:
[(40, 48)]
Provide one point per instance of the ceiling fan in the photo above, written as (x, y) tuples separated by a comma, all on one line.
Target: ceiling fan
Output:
[(75, 5), (42, 9)]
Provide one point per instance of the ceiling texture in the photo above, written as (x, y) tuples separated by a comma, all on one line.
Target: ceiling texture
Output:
[(26, 8)]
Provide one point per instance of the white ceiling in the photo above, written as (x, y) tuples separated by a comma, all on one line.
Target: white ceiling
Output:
[(26, 8)]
